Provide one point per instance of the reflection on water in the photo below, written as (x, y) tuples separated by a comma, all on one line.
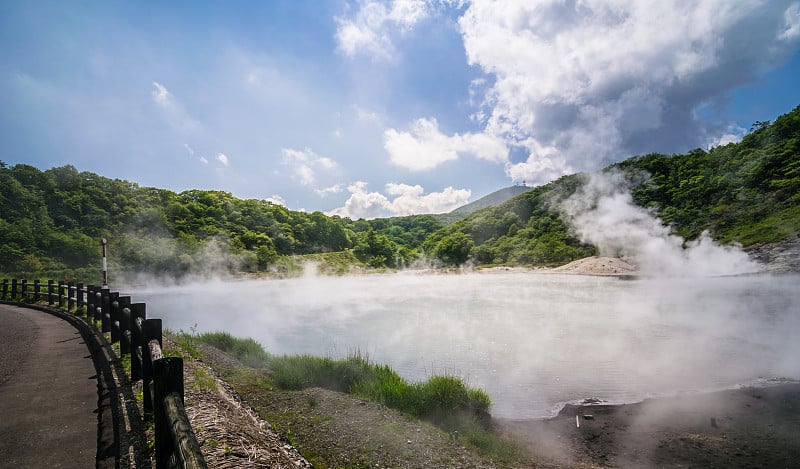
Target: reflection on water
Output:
[(532, 341)]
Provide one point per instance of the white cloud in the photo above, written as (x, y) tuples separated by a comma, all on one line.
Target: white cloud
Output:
[(369, 30), (305, 163), (733, 134), (160, 94), (326, 191), (597, 81), (792, 26), (188, 149), (410, 200), (542, 165), (366, 115), (203, 160), (176, 116), (277, 200), (406, 200), (425, 147), (222, 158)]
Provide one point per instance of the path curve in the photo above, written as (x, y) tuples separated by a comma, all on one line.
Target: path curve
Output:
[(48, 392)]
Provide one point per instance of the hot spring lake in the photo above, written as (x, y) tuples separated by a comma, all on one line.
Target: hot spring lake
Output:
[(532, 341)]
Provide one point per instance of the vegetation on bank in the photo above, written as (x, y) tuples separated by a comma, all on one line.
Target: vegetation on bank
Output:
[(445, 400), (437, 399), (52, 220)]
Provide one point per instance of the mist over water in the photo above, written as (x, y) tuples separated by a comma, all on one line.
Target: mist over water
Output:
[(532, 341)]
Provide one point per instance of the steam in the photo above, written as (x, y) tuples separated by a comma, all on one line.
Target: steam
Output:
[(602, 212)]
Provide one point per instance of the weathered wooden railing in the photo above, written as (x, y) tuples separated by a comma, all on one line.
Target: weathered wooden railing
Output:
[(139, 337)]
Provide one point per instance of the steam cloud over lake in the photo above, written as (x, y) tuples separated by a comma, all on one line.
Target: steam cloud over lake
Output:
[(533, 341)]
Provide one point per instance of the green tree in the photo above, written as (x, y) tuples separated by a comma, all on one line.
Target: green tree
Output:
[(454, 249)]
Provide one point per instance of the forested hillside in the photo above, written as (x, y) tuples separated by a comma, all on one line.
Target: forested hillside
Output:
[(54, 220), (747, 192)]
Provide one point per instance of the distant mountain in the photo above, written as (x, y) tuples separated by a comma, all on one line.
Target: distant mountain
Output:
[(495, 198)]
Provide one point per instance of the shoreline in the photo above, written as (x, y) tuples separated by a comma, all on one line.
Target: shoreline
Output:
[(752, 426)]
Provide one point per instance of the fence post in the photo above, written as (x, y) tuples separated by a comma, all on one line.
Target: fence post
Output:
[(152, 331), (60, 294), (114, 316), (13, 289), (37, 288), (138, 344), (24, 293), (5, 289), (167, 379), (70, 297), (79, 295), (98, 305), (50, 293), (124, 325)]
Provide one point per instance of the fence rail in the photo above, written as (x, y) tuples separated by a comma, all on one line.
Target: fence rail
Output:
[(139, 337)]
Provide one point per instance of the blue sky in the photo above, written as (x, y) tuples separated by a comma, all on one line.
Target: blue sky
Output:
[(365, 108)]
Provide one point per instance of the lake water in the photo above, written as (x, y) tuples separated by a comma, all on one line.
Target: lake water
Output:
[(532, 341)]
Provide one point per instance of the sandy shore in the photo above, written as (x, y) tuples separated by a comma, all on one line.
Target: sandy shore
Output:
[(745, 427)]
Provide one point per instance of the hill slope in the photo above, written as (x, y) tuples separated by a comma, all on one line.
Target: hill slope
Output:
[(495, 198), (746, 192)]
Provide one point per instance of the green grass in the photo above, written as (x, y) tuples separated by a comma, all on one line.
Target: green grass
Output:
[(204, 380), (445, 400), (435, 399), (248, 351), (774, 227)]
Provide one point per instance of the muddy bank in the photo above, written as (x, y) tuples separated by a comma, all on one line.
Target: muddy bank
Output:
[(745, 427), (780, 257)]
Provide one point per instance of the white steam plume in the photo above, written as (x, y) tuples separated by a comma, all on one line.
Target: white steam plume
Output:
[(602, 212)]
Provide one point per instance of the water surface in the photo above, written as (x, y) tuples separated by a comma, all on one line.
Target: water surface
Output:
[(532, 341)]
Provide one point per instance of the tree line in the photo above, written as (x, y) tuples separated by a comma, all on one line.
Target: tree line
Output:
[(746, 192)]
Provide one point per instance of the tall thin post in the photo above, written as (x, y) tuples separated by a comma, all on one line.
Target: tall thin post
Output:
[(50, 292), (37, 289), (24, 294), (13, 289), (105, 264), (5, 289)]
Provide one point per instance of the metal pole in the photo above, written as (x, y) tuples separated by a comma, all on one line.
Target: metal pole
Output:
[(105, 264)]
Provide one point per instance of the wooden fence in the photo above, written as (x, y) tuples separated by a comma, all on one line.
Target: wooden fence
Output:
[(139, 337)]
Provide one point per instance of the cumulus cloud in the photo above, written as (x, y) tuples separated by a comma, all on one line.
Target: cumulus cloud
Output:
[(223, 159), (424, 147), (583, 84), (305, 163), (370, 29), (405, 200)]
